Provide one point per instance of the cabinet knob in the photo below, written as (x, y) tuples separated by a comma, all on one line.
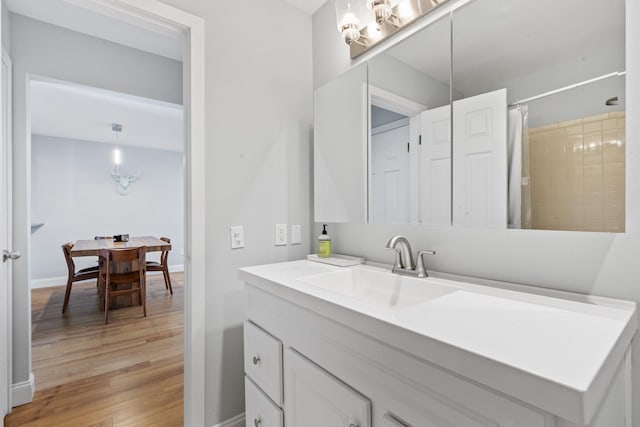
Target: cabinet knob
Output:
[(257, 422), (256, 360)]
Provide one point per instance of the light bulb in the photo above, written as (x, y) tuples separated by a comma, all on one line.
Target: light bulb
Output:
[(347, 12), (117, 156), (381, 9)]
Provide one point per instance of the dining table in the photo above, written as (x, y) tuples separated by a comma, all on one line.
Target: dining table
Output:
[(92, 247)]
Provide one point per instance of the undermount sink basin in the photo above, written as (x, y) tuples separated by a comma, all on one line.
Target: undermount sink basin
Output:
[(379, 288)]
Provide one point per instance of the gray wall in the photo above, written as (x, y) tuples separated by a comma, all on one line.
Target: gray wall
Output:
[(50, 51), (259, 115), (591, 263), (6, 28), (73, 193)]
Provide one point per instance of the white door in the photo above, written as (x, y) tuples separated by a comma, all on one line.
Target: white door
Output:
[(5, 235), (435, 167), (314, 398), (480, 160), (390, 174)]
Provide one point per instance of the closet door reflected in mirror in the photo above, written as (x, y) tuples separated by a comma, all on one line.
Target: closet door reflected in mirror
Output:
[(409, 140), (539, 115)]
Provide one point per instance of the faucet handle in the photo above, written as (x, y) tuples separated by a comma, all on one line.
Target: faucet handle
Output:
[(422, 271)]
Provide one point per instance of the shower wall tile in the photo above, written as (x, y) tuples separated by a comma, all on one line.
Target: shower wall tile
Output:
[(578, 174)]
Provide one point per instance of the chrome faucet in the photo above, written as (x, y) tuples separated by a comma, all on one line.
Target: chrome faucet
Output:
[(404, 263)]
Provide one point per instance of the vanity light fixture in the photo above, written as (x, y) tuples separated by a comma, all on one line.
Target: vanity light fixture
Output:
[(389, 17)]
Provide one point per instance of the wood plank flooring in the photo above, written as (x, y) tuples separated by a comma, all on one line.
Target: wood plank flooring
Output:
[(126, 373)]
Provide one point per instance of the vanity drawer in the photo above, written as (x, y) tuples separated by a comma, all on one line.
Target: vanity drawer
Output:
[(260, 411), (263, 361)]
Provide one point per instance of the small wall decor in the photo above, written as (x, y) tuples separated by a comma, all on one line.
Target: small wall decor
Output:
[(124, 180)]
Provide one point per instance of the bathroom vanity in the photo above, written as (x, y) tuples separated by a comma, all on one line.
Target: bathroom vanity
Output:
[(360, 346)]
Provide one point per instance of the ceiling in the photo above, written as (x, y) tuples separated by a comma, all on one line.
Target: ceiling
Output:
[(78, 112), (308, 6), (135, 32)]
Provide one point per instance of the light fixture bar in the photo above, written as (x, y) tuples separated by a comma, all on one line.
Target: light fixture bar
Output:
[(402, 15)]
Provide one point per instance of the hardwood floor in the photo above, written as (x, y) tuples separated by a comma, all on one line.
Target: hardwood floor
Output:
[(126, 373)]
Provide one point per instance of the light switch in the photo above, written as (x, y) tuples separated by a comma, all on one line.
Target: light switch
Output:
[(237, 237), (281, 235), (296, 234)]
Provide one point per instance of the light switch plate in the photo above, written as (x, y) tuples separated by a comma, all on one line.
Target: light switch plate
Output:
[(281, 235), (296, 234), (237, 237)]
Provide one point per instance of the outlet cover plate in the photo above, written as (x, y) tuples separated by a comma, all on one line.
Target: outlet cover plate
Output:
[(237, 237), (281, 235), (296, 234)]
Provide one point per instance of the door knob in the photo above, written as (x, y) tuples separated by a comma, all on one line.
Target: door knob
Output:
[(13, 255)]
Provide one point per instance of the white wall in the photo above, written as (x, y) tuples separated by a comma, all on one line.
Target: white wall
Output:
[(54, 52), (73, 193), (6, 28), (390, 74), (259, 115), (594, 263)]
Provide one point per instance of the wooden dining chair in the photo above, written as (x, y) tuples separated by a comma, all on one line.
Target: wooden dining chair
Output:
[(73, 275), (163, 265), (112, 279)]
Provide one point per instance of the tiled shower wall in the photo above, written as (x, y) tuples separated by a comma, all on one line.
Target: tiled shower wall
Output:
[(578, 174)]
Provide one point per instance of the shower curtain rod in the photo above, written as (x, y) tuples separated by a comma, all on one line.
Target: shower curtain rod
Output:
[(572, 86)]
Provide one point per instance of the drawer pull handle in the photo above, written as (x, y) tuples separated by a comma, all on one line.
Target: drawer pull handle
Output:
[(257, 422), (256, 360), (353, 425)]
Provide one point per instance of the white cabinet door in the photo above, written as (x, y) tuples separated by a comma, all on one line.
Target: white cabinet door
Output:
[(480, 160), (435, 167), (340, 148), (314, 398)]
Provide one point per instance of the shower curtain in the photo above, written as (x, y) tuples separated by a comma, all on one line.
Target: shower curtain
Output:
[(518, 163)]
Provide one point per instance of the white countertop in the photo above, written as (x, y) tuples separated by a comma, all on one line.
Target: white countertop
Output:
[(558, 354)]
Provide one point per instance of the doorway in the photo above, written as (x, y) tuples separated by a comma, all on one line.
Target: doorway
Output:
[(192, 30)]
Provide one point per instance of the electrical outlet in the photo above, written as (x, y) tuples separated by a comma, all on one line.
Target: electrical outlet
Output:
[(281, 235), (296, 234), (237, 237)]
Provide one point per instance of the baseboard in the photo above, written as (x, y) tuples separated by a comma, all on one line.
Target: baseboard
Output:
[(22, 392), (176, 268), (237, 421), (62, 280), (48, 282)]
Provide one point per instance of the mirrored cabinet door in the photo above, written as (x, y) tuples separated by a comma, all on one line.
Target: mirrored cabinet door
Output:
[(340, 148), (539, 115), (409, 130)]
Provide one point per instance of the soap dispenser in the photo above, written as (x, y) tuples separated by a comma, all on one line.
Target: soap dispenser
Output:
[(324, 243)]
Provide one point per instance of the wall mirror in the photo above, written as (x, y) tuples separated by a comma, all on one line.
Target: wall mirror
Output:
[(537, 119), (539, 116), (409, 129)]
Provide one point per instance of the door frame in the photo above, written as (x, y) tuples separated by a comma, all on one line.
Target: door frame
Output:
[(5, 394), (191, 29)]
